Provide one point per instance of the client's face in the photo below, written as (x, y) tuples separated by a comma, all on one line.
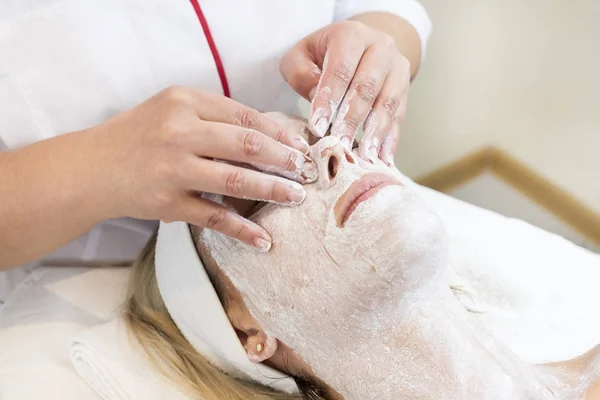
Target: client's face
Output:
[(360, 240)]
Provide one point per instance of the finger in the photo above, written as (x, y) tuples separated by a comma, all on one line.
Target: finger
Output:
[(390, 104), (205, 213), (249, 146), (231, 112), (300, 70), (339, 66), (368, 81), (221, 178), (388, 147)]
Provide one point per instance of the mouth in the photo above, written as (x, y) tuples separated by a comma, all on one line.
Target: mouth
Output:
[(360, 191)]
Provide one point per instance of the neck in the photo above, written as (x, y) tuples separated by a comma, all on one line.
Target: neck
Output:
[(430, 350)]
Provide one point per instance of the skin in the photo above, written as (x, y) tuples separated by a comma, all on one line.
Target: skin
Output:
[(361, 68), (57, 189), (411, 334)]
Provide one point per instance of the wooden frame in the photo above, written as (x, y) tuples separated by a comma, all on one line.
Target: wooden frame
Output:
[(523, 179)]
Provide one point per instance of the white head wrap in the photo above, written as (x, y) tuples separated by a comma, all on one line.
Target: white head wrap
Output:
[(196, 309)]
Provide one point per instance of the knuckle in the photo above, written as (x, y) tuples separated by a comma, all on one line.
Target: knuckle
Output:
[(170, 126), (352, 122), (177, 94), (216, 219), (253, 143), (235, 182), (247, 117), (294, 78), (387, 41), (163, 170), (273, 191), (241, 232), (305, 79), (173, 135), (161, 202), (349, 25), (342, 73), (292, 161), (280, 134), (299, 75), (391, 105), (368, 89)]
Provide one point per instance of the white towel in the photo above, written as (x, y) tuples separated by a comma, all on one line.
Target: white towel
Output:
[(109, 360), (50, 306), (536, 291)]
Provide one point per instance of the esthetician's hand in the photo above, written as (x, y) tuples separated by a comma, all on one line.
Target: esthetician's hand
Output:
[(357, 71), (159, 157)]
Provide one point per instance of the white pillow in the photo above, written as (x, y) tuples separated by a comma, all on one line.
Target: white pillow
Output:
[(536, 291)]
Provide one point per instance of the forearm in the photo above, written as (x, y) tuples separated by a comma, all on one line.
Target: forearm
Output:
[(404, 34), (49, 195)]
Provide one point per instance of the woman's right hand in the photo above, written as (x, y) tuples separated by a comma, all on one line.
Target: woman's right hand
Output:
[(159, 157)]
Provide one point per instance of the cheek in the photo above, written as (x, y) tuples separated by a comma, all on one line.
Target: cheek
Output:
[(394, 219), (296, 294), (280, 282), (393, 238)]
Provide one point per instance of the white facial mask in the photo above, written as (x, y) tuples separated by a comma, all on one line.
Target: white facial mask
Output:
[(320, 277), (365, 304)]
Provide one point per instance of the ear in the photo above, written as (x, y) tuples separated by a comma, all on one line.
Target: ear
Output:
[(258, 345)]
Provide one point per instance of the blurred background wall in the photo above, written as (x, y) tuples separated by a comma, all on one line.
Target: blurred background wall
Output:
[(523, 76)]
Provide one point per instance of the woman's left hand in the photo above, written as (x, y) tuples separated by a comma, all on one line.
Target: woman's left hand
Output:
[(356, 72)]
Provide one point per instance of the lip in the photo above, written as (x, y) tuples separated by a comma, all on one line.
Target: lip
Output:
[(360, 191)]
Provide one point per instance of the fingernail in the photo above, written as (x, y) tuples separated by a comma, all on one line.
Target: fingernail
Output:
[(310, 172), (346, 142), (302, 144), (262, 244), (321, 127), (389, 160), (363, 147), (296, 194), (370, 123), (372, 152)]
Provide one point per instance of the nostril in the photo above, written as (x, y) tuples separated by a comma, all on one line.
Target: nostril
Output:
[(349, 156), (332, 166)]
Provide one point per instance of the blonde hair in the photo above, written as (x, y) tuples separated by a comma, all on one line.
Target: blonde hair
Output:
[(172, 355)]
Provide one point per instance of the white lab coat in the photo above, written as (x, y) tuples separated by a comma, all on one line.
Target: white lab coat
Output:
[(66, 65)]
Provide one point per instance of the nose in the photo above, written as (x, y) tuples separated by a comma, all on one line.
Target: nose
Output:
[(331, 157)]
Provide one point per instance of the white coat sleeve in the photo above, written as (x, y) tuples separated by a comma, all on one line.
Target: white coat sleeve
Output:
[(410, 10)]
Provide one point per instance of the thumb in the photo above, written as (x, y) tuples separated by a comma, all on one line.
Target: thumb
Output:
[(300, 71)]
